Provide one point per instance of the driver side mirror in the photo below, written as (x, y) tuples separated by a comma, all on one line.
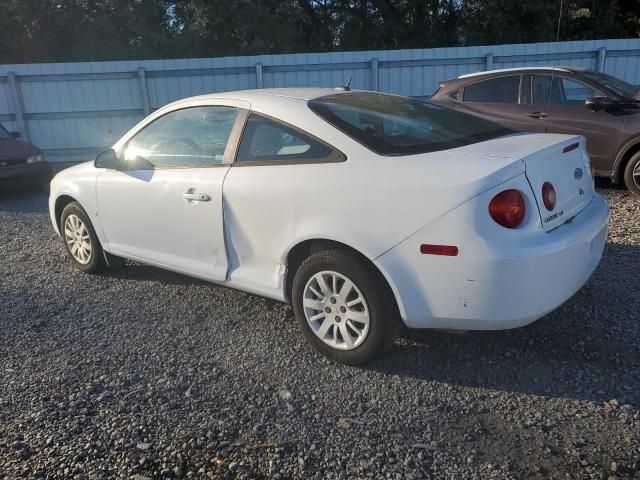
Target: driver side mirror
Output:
[(15, 134), (107, 159), (599, 103)]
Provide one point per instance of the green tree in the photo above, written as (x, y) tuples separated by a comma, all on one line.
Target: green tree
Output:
[(75, 30)]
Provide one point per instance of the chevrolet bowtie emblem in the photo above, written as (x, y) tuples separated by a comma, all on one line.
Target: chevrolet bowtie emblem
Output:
[(577, 173)]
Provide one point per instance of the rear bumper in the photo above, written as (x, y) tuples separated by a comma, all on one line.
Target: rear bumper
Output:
[(25, 174), (494, 285)]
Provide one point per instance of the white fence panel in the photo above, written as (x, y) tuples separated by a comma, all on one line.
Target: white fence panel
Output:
[(72, 110)]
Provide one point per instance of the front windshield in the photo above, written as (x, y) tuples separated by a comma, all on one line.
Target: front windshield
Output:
[(393, 125), (4, 133), (620, 87)]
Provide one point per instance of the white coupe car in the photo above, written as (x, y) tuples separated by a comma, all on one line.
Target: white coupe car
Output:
[(366, 211)]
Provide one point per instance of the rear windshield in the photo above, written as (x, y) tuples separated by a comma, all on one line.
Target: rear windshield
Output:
[(393, 125)]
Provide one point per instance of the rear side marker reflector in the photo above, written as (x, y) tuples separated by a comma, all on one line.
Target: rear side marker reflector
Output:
[(571, 147), (446, 250)]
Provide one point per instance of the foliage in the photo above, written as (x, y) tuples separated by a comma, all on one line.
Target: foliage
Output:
[(78, 30)]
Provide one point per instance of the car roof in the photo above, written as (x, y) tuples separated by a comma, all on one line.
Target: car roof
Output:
[(523, 69), (303, 94)]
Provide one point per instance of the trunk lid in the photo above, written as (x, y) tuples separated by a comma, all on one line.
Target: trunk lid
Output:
[(545, 160), (566, 166)]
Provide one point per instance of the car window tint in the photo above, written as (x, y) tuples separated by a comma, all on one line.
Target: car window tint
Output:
[(265, 139), (576, 92), (564, 91), (392, 125), (494, 90), (192, 137)]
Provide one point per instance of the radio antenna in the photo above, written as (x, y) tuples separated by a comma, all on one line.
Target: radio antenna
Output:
[(555, 60), (345, 88)]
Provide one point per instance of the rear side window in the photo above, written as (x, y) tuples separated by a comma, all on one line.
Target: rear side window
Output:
[(494, 90), (454, 95), (393, 125), (266, 139)]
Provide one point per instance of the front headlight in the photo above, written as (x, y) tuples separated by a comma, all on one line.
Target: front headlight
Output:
[(35, 159)]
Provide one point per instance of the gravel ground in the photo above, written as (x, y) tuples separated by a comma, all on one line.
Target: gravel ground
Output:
[(143, 373)]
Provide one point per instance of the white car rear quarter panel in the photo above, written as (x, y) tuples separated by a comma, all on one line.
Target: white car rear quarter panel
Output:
[(502, 278), (368, 202)]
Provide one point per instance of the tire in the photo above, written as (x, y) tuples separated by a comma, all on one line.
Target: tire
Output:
[(76, 230), (632, 174), (362, 341)]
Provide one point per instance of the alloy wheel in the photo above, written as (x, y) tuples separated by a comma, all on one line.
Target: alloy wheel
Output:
[(78, 240), (336, 310)]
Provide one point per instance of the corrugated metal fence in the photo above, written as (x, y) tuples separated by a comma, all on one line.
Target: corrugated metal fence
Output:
[(71, 110)]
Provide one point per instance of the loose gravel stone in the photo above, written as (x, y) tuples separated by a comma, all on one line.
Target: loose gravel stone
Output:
[(142, 373)]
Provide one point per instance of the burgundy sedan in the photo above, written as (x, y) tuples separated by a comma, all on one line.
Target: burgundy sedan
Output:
[(572, 100), (21, 163)]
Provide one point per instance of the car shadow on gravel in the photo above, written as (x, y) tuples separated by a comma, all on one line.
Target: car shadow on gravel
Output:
[(29, 199), (588, 349)]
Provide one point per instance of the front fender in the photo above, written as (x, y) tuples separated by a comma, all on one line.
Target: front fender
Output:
[(77, 183)]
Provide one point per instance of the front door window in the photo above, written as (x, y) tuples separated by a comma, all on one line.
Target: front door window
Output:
[(191, 137), (560, 91)]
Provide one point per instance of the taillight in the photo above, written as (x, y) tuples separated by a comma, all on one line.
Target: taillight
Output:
[(507, 208), (549, 196)]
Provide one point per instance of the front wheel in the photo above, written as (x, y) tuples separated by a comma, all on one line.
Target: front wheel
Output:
[(344, 307), (632, 174), (80, 239)]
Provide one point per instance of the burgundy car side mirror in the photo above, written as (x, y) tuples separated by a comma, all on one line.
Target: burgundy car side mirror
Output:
[(599, 103)]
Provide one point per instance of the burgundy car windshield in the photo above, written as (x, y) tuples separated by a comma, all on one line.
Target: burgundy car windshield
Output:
[(393, 125), (618, 86)]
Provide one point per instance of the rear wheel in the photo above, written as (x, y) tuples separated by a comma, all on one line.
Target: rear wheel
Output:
[(80, 239), (632, 174), (344, 307)]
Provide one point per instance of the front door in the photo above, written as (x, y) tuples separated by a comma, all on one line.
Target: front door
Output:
[(562, 109), (164, 206)]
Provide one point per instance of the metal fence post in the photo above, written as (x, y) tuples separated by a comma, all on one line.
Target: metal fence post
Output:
[(488, 61), (144, 92), (17, 105), (374, 74), (259, 80), (602, 56)]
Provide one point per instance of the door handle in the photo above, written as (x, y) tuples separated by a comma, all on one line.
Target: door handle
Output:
[(537, 115), (196, 197)]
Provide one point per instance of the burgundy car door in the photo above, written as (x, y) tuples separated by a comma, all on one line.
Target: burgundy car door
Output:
[(496, 99), (562, 110)]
